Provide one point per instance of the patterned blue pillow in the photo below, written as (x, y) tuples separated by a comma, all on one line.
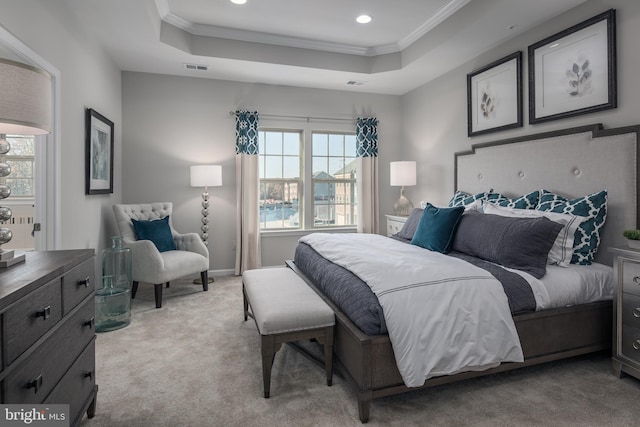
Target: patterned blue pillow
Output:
[(587, 236), (528, 201), (460, 198)]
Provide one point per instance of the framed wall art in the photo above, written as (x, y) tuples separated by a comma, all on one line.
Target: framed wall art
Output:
[(574, 72), (494, 96), (98, 153)]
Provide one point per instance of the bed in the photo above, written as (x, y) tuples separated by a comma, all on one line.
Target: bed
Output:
[(571, 162)]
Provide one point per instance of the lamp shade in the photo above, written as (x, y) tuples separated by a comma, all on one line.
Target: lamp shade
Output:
[(402, 173), (206, 176), (25, 99)]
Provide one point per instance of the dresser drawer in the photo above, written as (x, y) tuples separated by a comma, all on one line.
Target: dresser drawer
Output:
[(631, 277), (631, 343), (32, 316), (630, 310), (77, 284), (394, 226), (34, 378), (76, 384)]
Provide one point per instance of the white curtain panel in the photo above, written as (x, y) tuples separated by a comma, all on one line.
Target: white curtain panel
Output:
[(248, 253), (368, 216)]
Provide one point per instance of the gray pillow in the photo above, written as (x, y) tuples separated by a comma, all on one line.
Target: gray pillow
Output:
[(411, 225), (519, 243)]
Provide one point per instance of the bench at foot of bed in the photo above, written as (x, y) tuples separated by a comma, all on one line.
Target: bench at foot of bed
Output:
[(286, 309)]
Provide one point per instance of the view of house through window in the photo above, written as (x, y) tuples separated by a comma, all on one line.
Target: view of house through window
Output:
[(332, 199), (334, 166)]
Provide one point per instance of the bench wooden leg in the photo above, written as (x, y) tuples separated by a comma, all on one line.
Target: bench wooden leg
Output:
[(246, 303), (269, 350), (328, 354)]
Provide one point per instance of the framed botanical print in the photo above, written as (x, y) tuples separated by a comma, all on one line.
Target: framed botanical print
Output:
[(98, 153), (574, 72), (494, 96)]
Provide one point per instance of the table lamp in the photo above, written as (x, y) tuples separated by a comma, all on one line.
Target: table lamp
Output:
[(402, 173)]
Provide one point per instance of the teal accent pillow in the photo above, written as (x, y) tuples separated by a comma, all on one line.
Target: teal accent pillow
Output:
[(157, 230), (437, 228), (587, 237)]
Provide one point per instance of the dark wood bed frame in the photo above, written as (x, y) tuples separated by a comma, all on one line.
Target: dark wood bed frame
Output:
[(369, 363)]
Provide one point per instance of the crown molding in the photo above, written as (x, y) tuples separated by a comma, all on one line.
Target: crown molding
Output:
[(274, 39)]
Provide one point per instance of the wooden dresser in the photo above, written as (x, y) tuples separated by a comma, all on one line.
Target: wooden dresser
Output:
[(48, 331), (626, 307)]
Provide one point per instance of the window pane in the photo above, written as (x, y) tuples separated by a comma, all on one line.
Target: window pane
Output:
[(273, 143), (21, 145), (292, 143), (336, 166), (261, 138), (336, 145), (273, 167), (279, 205), (320, 165), (320, 145), (291, 167), (321, 191), (350, 145)]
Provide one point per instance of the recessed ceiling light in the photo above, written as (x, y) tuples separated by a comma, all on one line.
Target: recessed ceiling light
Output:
[(363, 19), (238, 1)]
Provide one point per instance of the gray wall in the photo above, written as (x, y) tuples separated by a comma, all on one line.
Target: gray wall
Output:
[(89, 78), (171, 123), (435, 116)]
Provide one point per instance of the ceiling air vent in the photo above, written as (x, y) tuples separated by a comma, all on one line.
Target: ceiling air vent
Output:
[(356, 82), (196, 67)]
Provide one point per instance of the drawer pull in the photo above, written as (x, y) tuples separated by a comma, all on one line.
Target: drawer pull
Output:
[(88, 374), (91, 322), (636, 345), (86, 282), (636, 312), (45, 313), (35, 384)]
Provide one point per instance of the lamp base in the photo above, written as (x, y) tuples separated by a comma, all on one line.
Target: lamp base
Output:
[(403, 206), (7, 258)]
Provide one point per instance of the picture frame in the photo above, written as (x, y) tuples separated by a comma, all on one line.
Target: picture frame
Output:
[(573, 72), (494, 96), (98, 153)]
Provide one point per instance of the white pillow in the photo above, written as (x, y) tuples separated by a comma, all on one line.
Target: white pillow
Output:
[(562, 249)]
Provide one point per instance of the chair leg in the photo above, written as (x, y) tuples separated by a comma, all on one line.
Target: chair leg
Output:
[(168, 284), (205, 280), (158, 292), (134, 289)]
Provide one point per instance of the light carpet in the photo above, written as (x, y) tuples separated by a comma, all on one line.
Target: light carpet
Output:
[(195, 362)]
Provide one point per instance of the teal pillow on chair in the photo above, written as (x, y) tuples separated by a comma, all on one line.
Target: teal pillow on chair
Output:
[(158, 231), (437, 228)]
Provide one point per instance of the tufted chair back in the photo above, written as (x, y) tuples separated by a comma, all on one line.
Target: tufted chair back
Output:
[(145, 212)]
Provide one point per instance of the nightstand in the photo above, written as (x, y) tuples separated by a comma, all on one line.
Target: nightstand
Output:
[(626, 312), (395, 223)]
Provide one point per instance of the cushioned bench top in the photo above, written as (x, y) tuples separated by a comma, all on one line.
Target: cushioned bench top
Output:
[(282, 302)]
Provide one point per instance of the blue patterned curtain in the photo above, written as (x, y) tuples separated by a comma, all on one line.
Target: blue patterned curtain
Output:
[(367, 137), (246, 132)]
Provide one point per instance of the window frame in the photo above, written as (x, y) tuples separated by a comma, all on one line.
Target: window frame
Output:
[(307, 127)]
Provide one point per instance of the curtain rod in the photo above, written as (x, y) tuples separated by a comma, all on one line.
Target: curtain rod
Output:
[(307, 118)]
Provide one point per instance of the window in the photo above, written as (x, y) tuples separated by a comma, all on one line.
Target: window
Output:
[(21, 158), (334, 174), (280, 183)]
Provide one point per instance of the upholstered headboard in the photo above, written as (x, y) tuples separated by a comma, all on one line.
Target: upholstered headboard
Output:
[(572, 163)]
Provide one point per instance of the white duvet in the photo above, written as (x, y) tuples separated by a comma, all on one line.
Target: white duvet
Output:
[(443, 314)]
